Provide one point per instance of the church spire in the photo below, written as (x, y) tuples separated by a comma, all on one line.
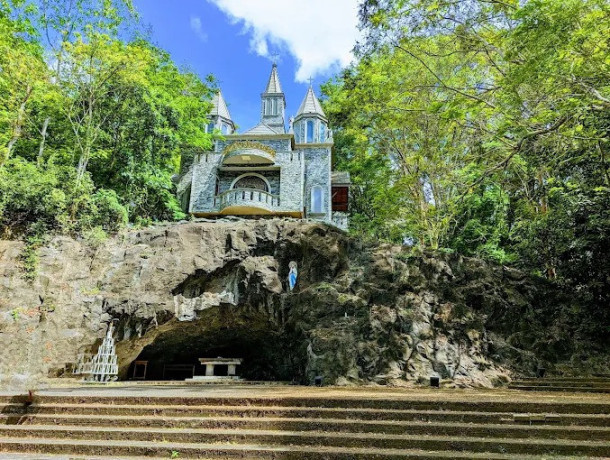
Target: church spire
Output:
[(220, 106), (273, 103), (219, 116), (274, 87), (311, 124), (311, 105)]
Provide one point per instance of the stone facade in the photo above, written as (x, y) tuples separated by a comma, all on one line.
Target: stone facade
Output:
[(288, 174)]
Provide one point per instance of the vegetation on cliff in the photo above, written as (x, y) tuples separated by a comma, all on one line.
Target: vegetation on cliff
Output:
[(482, 127)]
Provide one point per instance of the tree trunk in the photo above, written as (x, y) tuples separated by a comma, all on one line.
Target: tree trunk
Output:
[(43, 134), (18, 125), (82, 167)]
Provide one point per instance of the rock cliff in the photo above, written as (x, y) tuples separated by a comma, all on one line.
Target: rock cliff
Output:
[(358, 314)]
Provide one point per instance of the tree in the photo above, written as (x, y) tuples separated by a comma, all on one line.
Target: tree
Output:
[(102, 130), (521, 89), (22, 73)]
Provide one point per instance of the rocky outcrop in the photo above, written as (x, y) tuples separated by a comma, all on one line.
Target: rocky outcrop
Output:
[(358, 314)]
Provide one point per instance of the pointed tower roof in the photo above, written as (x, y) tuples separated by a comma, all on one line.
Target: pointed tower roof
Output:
[(220, 106), (311, 105), (274, 87), (262, 129)]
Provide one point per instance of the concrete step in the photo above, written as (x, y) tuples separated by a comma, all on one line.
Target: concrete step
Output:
[(562, 382), (563, 388), (327, 425), (55, 449), (537, 406), (15, 411), (313, 439), (566, 379)]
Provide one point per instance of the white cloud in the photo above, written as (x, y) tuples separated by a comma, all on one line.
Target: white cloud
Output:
[(197, 27), (320, 34)]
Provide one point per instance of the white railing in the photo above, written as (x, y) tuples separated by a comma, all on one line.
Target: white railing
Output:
[(247, 197)]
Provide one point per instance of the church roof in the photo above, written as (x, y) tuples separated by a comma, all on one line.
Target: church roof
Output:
[(220, 106), (311, 104), (262, 129), (274, 87)]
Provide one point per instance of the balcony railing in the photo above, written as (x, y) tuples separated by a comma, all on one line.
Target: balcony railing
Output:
[(247, 197)]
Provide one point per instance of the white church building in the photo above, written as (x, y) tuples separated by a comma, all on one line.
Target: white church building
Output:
[(268, 170)]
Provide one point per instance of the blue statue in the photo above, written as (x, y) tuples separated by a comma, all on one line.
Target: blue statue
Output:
[(292, 275)]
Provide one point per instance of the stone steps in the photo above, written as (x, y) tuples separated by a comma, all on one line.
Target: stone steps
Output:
[(160, 412), (430, 426), (566, 389), (563, 384), (439, 403), (126, 450), (325, 425)]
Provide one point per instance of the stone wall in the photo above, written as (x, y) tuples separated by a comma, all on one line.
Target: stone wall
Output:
[(203, 187), (359, 314), (317, 173), (291, 196)]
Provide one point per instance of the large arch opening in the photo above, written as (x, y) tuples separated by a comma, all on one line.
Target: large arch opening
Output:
[(267, 351)]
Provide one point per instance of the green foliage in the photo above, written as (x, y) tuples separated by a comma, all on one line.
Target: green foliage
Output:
[(499, 112), (15, 314), (36, 200), (90, 141), (95, 236)]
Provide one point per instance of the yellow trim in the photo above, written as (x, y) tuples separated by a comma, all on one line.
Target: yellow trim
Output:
[(304, 146), (296, 214), (246, 137), (248, 145)]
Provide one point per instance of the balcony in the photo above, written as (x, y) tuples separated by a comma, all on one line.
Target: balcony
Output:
[(246, 201)]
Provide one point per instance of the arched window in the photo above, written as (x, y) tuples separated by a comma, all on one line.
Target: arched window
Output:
[(300, 132), (322, 132), (317, 200), (310, 132), (211, 127), (225, 128), (251, 181)]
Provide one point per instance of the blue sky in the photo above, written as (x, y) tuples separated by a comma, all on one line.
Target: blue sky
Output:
[(235, 39)]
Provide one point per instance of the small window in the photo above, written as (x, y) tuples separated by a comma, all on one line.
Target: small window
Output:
[(317, 200), (310, 132), (322, 132), (225, 128), (211, 127)]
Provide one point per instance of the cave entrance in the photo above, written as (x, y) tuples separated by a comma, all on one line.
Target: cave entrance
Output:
[(268, 352)]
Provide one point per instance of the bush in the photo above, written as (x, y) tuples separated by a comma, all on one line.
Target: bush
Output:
[(107, 212), (35, 200)]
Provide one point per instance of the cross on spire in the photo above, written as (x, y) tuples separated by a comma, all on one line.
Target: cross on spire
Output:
[(310, 81), (274, 58)]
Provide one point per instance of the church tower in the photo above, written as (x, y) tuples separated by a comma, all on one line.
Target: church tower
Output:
[(311, 124), (273, 104), (220, 118)]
